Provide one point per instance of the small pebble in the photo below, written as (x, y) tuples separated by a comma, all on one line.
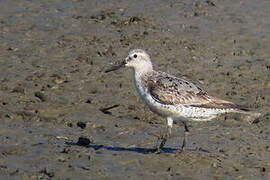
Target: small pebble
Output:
[(81, 124), (41, 96), (83, 141), (18, 89)]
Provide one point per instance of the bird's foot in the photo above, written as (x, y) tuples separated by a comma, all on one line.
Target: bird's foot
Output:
[(181, 150), (158, 149)]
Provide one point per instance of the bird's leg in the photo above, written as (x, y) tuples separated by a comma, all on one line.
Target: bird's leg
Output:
[(166, 136), (186, 133)]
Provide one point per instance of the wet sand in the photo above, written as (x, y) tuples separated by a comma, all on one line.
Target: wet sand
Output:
[(62, 117)]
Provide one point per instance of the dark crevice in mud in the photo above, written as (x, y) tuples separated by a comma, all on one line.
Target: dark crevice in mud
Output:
[(106, 109)]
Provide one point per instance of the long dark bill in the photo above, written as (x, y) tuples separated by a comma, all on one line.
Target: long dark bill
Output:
[(115, 67)]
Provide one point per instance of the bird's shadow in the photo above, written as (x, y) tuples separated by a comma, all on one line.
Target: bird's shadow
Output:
[(119, 149)]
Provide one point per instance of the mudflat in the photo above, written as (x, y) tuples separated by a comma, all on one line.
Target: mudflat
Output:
[(63, 117)]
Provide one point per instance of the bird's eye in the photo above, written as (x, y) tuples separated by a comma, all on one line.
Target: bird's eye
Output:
[(135, 55)]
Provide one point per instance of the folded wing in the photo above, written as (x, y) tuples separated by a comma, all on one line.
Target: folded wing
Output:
[(170, 90)]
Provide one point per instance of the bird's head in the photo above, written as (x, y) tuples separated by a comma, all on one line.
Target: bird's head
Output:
[(137, 59)]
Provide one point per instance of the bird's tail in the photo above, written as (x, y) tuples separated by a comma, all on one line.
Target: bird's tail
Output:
[(252, 116)]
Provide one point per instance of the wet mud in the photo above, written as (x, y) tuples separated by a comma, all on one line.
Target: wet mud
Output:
[(63, 117)]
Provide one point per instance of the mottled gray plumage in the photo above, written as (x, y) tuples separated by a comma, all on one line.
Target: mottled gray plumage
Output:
[(171, 90)]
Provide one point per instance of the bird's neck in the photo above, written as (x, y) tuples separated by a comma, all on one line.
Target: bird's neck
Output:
[(141, 79), (143, 68)]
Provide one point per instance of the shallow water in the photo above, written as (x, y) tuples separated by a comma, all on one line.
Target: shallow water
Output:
[(54, 90)]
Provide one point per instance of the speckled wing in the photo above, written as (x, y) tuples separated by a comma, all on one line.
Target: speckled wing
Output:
[(171, 90)]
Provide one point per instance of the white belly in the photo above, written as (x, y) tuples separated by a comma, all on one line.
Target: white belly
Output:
[(182, 112)]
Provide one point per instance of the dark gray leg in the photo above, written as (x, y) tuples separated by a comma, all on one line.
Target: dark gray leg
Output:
[(167, 135), (186, 133)]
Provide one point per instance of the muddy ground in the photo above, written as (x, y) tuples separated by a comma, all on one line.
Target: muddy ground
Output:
[(54, 92)]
